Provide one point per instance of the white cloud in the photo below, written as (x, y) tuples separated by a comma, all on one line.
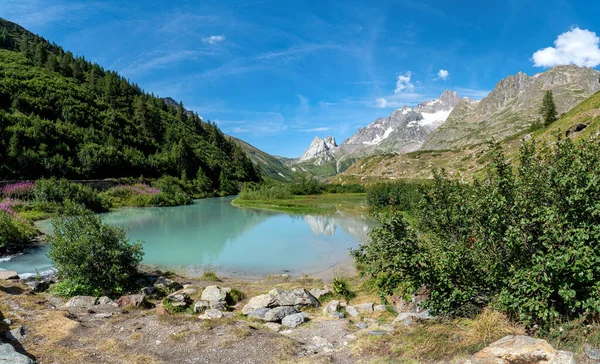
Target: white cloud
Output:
[(214, 39), (475, 94), (442, 75), (577, 46), (312, 130), (403, 83), (381, 102)]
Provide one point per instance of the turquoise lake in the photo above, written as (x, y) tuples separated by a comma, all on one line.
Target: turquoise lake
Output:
[(211, 233)]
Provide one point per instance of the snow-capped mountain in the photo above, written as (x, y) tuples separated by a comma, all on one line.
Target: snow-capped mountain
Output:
[(320, 150)]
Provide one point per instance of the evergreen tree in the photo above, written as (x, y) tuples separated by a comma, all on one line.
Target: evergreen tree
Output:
[(4, 37), (548, 109)]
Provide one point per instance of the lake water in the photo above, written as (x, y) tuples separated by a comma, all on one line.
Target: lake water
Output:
[(213, 233)]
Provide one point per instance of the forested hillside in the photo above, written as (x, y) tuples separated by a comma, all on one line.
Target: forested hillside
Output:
[(63, 116)]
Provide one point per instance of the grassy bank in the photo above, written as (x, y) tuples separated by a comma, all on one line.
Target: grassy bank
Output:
[(311, 204)]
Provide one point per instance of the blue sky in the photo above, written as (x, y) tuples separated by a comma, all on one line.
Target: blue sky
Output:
[(278, 73)]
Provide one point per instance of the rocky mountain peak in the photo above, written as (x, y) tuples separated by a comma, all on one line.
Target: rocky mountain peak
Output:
[(449, 97), (320, 150)]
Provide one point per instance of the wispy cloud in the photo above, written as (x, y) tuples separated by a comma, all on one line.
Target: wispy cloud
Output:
[(214, 39), (314, 130), (38, 13), (577, 46), (472, 93), (149, 61)]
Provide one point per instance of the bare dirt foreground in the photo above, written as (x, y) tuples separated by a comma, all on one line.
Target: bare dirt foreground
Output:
[(53, 333)]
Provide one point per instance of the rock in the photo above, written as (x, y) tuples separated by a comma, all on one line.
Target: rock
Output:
[(591, 352), (82, 301), (211, 314), (56, 301), (379, 308), (293, 320), (285, 276), (38, 286), (167, 284), (133, 300), (521, 349), (8, 274), (218, 305), (343, 304), (364, 307), (377, 332), (103, 315), (296, 297), (213, 293), (201, 306), (9, 355), (336, 315), (106, 301), (361, 325), (273, 326), (7, 321), (160, 310), (179, 299), (16, 334), (319, 292), (259, 313), (278, 313), (386, 328), (331, 307), (264, 300), (405, 319), (148, 291), (352, 311)]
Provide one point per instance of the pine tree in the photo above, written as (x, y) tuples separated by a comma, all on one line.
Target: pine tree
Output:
[(548, 109), (4, 38)]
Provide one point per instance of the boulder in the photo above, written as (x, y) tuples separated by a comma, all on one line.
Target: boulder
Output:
[(336, 315), (405, 319), (214, 293), (148, 291), (264, 300), (278, 313), (331, 307), (273, 326), (352, 311), (201, 306), (259, 313), (318, 292), (167, 284), (293, 320), (38, 286), (82, 301), (522, 350), (591, 352), (379, 308), (161, 310), (8, 274), (133, 300), (361, 325), (218, 305), (106, 301), (296, 297), (211, 314), (16, 334), (179, 299), (8, 354), (364, 307)]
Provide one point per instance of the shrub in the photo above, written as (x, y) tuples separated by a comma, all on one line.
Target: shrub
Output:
[(14, 232), (341, 287), (523, 239), (132, 195), (209, 275), (91, 256), (58, 191), (172, 193), (266, 192), (306, 186), (402, 195), (19, 190), (347, 188)]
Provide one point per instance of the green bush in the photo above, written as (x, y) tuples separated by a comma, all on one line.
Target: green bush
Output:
[(348, 188), (172, 192), (341, 287), (306, 186), (54, 191), (90, 256), (14, 233), (278, 191), (523, 239), (402, 195)]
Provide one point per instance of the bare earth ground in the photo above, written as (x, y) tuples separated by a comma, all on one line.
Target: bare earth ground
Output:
[(55, 334)]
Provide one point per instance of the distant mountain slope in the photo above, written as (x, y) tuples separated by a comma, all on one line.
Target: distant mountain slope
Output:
[(513, 106), (268, 164), (582, 121), (63, 116)]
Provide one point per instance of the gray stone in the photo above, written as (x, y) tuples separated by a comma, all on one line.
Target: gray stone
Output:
[(319, 292), (405, 319), (387, 328), (259, 313), (336, 315), (377, 332), (106, 301), (591, 352), (8, 274), (132, 300), (293, 320), (364, 307), (379, 308), (273, 326), (296, 297), (213, 293), (103, 315), (278, 313), (38, 286), (352, 311), (179, 299), (331, 307), (211, 314), (16, 334), (8, 355), (7, 321), (82, 301), (218, 305), (201, 306), (148, 291), (361, 325), (264, 300), (521, 349), (167, 284), (56, 301)]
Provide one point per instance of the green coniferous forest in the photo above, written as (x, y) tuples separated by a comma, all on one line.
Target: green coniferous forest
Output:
[(63, 116)]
